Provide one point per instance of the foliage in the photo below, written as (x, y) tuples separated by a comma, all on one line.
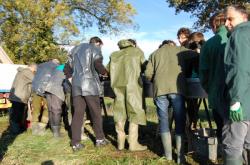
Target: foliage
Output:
[(32, 29), (202, 9)]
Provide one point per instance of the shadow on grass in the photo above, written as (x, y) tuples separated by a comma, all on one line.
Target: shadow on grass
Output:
[(7, 138), (47, 162), (108, 128)]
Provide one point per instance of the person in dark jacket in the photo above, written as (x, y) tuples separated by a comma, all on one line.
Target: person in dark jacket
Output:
[(19, 96), (211, 69), (86, 63), (39, 104), (195, 41), (55, 97), (236, 130)]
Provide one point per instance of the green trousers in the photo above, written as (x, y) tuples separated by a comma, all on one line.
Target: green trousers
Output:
[(40, 110), (128, 104)]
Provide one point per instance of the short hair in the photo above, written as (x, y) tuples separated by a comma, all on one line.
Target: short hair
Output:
[(169, 42), (239, 8), (32, 65), (133, 42), (56, 61), (185, 31), (95, 39), (196, 40), (217, 20), (196, 36)]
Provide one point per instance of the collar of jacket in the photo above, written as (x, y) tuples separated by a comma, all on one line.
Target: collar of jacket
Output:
[(243, 24), (222, 29), (238, 27)]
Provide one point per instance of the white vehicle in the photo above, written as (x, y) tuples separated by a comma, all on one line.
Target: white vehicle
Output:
[(7, 76)]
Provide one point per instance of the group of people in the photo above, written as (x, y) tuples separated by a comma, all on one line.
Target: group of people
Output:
[(221, 64)]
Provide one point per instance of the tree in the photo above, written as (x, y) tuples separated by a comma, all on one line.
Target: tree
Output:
[(203, 9), (32, 29)]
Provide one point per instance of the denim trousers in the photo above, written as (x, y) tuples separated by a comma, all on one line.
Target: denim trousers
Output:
[(177, 102)]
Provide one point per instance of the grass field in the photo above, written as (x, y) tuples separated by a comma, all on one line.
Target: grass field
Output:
[(26, 148)]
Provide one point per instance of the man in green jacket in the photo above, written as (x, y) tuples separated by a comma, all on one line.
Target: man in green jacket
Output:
[(236, 131), (211, 69), (124, 69), (164, 69)]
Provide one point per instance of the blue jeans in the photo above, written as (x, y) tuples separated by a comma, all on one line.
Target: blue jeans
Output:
[(177, 102)]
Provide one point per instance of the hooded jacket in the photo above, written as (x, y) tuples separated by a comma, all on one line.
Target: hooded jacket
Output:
[(21, 87), (42, 77), (125, 65), (125, 68)]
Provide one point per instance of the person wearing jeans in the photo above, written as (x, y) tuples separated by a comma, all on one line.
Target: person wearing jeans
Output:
[(164, 70), (176, 101)]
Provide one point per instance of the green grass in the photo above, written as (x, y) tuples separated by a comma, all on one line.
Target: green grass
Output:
[(26, 148)]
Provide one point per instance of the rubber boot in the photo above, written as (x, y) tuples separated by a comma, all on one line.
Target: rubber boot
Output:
[(179, 149), (56, 131), (133, 138), (167, 145), (228, 160), (121, 136)]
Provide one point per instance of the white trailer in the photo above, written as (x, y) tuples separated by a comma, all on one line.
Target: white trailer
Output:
[(7, 76)]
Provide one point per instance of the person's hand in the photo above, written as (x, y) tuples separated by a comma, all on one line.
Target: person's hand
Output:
[(236, 114)]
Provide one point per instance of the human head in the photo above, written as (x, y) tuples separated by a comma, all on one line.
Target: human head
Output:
[(196, 40), (96, 41), (235, 15), (133, 42), (169, 42), (33, 67), (122, 44), (183, 35), (56, 61), (217, 20)]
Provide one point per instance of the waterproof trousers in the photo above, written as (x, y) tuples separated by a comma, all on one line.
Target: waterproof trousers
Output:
[(128, 105)]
